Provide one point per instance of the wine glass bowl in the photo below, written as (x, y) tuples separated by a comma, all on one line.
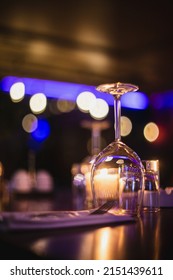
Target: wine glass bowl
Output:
[(117, 172)]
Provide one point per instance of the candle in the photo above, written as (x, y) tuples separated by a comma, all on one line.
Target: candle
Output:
[(106, 184)]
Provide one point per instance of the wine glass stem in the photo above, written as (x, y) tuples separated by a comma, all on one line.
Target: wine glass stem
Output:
[(117, 117)]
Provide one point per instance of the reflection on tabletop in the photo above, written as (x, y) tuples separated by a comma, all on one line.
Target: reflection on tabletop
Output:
[(103, 243)]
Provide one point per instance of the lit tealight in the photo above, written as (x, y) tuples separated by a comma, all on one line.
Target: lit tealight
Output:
[(17, 92), (151, 132), (106, 184), (38, 103)]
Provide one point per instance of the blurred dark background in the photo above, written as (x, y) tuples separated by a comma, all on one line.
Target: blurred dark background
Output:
[(88, 42)]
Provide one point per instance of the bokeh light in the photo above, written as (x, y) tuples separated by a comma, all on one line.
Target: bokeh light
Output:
[(85, 101), (151, 131), (29, 123), (65, 106), (70, 91), (135, 100), (126, 126), (162, 100), (17, 92), (42, 131), (38, 103), (99, 109)]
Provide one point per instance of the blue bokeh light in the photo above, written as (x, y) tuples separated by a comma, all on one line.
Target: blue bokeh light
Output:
[(42, 132), (135, 100), (162, 100), (70, 91)]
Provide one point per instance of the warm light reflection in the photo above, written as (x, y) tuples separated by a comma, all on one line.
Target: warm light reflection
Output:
[(107, 244), (156, 239), (40, 246), (29, 123), (99, 109), (151, 132), (38, 103), (17, 92), (109, 158), (104, 241), (85, 101), (86, 246), (126, 126)]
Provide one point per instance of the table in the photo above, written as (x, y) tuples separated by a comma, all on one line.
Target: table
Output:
[(150, 237)]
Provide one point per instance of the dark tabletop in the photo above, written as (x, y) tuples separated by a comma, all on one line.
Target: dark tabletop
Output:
[(148, 238)]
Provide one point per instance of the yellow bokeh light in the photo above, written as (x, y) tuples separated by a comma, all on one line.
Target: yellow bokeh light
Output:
[(65, 106), (38, 103), (29, 123), (126, 126), (99, 109), (17, 92), (85, 101), (151, 132)]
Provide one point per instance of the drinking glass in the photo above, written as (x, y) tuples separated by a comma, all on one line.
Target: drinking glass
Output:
[(151, 199), (117, 172)]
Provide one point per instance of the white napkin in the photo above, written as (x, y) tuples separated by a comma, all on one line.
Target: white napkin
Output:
[(57, 219)]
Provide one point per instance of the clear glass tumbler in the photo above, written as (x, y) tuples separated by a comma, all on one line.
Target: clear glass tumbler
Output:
[(151, 201)]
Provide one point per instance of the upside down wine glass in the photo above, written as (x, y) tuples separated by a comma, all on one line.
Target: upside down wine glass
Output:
[(117, 173)]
